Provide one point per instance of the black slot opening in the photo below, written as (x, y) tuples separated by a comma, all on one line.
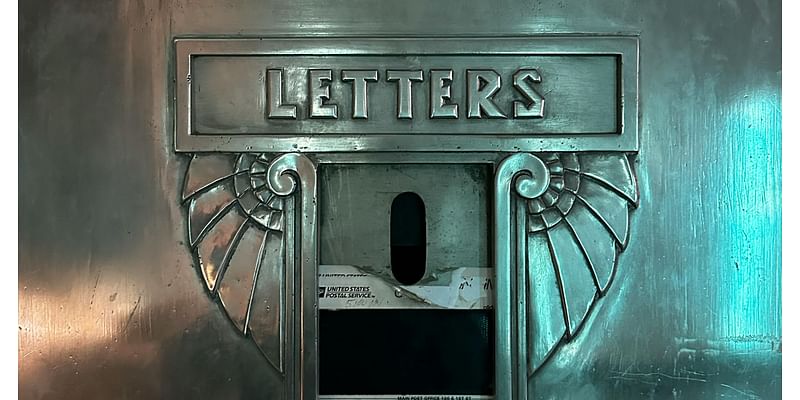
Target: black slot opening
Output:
[(408, 238)]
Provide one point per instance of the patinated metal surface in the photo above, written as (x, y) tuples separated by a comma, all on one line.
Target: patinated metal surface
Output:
[(128, 290)]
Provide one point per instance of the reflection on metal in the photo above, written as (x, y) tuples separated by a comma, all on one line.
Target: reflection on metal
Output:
[(241, 212), (128, 287), (560, 221)]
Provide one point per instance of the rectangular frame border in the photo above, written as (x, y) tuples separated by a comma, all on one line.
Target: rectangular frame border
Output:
[(626, 47)]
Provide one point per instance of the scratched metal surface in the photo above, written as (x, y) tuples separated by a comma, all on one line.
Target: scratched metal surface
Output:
[(111, 307)]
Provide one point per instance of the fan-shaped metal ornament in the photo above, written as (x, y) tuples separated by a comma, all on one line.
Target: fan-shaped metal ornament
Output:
[(236, 222), (576, 230)]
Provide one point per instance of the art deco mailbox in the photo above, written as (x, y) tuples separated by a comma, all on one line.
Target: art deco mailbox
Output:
[(408, 216), (362, 199)]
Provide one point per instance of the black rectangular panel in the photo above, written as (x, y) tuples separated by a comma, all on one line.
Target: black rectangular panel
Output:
[(406, 351)]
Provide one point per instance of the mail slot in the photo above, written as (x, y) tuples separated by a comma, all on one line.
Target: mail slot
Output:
[(418, 322)]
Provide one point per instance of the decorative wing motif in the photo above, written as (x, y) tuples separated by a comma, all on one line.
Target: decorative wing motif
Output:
[(236, 232), (576, 229)]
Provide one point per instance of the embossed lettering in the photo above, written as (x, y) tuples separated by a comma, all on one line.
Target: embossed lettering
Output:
[(481, 87), (441, 79), (360, 99), (275, 107), (319, 92), (404, 99), (523, 82)]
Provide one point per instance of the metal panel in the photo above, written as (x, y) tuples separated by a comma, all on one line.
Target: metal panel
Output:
[(221, 90), (112, 306)]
